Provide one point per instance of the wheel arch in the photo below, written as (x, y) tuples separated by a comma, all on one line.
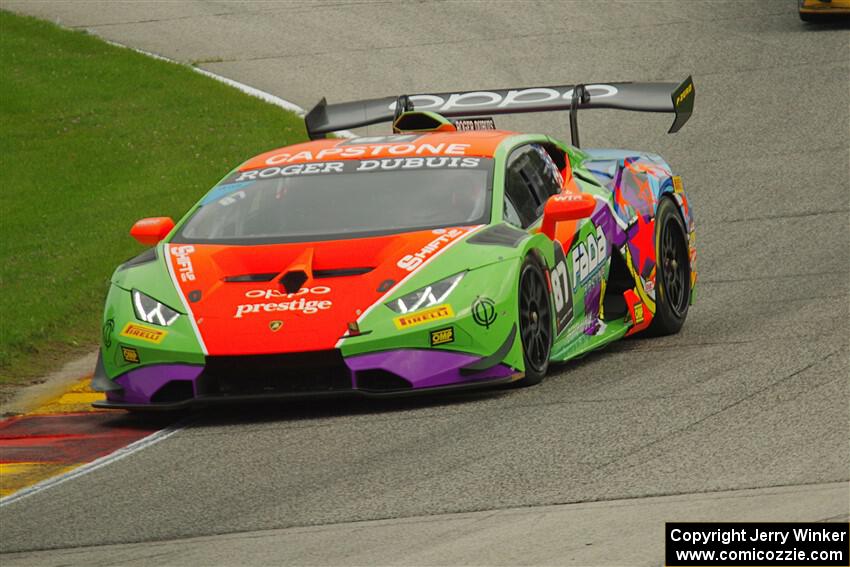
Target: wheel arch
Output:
[(686, 213)]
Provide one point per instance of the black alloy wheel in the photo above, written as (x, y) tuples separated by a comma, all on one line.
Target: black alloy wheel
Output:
[(673, 271), (535, 322), (675, 267)]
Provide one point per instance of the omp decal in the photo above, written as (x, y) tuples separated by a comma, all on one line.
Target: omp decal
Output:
[(425, 316), (638, 313), (183, 300), (484, 312), (308, 307), (181, 255), (143, 333), (130, 355), (510, 99), (588, 256), (412, 261), (443, 336)]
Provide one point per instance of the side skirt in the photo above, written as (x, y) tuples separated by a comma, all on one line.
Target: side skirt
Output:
[(614, 330)]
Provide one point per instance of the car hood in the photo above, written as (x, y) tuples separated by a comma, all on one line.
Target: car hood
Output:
[(295, 296)]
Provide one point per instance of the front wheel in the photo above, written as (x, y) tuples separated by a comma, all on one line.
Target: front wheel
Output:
[(535, 322), (673, 271)]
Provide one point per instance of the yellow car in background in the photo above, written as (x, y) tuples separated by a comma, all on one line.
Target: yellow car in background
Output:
[(822, 10)]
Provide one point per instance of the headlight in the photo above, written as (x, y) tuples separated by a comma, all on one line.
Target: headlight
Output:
[(427, 296), (150, 310)]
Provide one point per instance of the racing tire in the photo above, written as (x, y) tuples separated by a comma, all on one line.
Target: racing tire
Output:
[(814, 18), (673, 271), (535, 322)]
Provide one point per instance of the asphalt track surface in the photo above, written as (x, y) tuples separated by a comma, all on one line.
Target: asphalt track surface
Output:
[(753, 393)]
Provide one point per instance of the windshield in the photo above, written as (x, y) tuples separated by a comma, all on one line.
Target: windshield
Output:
[(343, 199)]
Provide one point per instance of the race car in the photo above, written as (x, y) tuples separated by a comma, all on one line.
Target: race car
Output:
[(444, 255), (823, 10)]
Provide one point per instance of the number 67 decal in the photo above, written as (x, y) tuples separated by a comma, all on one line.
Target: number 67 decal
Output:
[(561, 289)]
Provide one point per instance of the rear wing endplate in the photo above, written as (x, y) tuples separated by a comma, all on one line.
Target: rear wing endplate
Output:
[(677, 99)]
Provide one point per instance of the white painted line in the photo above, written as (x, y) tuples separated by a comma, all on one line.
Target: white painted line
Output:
[(247, 89), (116, 455), (162, 434)]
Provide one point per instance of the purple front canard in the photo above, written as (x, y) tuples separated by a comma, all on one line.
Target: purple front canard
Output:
[(426, 368), (141, 384), (422, 368)]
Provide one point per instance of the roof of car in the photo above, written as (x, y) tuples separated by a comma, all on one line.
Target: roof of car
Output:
[(481, 143)]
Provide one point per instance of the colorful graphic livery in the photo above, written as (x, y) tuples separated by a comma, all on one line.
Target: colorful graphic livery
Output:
[(447, 255)]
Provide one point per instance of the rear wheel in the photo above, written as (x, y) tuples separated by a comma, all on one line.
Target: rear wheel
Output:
[(535, 322), (673, 271)]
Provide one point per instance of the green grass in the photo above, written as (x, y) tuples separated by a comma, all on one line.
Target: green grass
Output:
[(92, 138)]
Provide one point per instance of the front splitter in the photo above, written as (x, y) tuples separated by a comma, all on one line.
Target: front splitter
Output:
[(206, 401)]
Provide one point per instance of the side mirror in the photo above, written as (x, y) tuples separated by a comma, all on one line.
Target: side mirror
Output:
[(150, 231), (566, 207)]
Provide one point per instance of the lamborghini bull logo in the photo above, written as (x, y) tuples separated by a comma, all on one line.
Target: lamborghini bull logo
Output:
[(502, 99)]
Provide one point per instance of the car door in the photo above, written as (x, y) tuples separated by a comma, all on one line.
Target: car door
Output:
[(531, 178)]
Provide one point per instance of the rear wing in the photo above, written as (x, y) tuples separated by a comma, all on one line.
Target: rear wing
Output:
[(674, 98)]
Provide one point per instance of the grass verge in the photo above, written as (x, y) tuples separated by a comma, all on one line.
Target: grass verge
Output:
[(92, 138)]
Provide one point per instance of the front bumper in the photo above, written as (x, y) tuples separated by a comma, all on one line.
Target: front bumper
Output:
[(834, 7), (394, 373)]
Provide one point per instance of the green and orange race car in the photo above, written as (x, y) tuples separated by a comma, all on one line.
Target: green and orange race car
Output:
[(447, 255)]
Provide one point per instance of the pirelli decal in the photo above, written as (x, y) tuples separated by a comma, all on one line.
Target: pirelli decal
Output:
[(143, 333), (425, 316)]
